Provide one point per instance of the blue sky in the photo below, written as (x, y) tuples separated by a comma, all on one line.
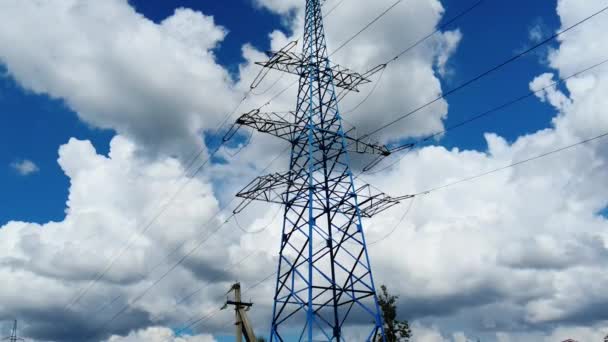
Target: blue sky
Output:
[(34, 126)]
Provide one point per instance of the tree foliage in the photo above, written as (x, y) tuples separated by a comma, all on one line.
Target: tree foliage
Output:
[(395, 330)]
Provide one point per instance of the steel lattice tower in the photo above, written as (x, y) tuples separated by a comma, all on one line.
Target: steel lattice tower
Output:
[(324, 280), (13, 337)]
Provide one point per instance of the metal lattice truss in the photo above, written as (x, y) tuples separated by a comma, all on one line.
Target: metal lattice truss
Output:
[(279, 126), (279, 188), (297, 64), (13, 337), (324, 287)]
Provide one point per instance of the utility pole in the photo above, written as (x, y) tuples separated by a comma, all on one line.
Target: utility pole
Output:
[(242, 325), (13, 337), (324, 283)]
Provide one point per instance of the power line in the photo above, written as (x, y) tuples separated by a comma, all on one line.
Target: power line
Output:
[(259, 229), (167, 204), (342, 45), (515, 164), (487, 113), (198, 290), (181, 260), (271, 86), (288, 87), (497, 67), (439, 29), (410, 48), (243, 146), (197, 322), (524, 161), (431, 190), (117, 256), (468, 179), (331, 10), (446, 93), (210, 315), (366, 27), (396, 226), (213, 313), (396, 57), (485, 73), (163, 208), (164, 275), (371, 92)]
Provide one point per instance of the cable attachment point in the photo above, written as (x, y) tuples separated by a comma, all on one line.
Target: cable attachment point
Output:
[(264, 72), (375, 70), (373, 163), (231, 132), (403, 147)]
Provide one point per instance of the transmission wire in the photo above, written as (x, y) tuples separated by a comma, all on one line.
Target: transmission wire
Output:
[(484, 114), (483, 174), (409, 48), (98, 277), (406, 51), (439, 29), (259, 229), (524, 161), (431, 190), (163, 276), (330, 11), (162, 209), (199, 245), (366, 27), (212, 313), (396, 226), (371, 92), (485, 73)]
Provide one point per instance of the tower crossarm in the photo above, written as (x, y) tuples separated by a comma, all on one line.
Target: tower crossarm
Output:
[(372, 203), (296, 64), (276, 187), (277, 125), (272, 188), (271, 123)]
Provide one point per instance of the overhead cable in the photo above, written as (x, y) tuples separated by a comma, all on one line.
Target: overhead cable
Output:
[(486, 73)]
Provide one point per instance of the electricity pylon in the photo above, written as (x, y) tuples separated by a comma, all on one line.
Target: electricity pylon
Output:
[(13, 337), (324, 286)]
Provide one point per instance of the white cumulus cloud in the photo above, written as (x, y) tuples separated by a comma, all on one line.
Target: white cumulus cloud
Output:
[(156, 83), (156, 334), (511, 256)]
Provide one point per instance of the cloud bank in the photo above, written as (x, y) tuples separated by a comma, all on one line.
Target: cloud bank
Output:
[(516, 256)]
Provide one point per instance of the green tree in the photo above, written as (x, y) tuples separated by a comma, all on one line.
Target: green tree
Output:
[(395, 330)]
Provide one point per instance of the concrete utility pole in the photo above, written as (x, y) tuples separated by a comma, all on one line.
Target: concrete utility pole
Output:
[(242, 325), (13, 337)]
